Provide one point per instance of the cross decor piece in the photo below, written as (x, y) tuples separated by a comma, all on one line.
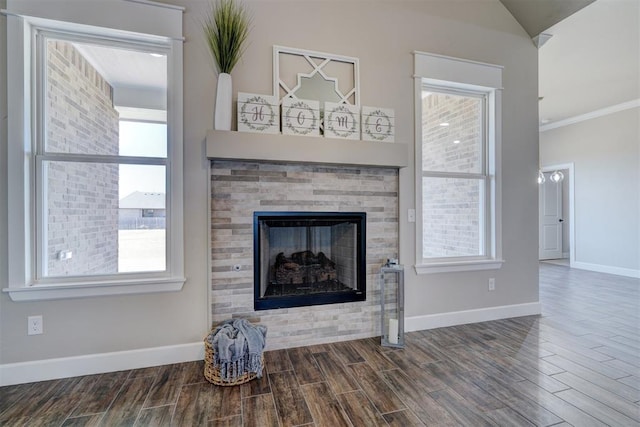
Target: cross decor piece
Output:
[(305, 74)]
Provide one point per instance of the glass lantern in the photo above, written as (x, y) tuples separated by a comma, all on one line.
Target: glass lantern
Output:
[(392, 305)]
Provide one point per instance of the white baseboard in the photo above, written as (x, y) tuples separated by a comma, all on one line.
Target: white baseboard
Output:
[(49, 369), (618, 271), (441, 320)]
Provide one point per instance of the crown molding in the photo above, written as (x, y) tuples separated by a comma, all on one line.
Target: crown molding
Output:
[(592, 115)]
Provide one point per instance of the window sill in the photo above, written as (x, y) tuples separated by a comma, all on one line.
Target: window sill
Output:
[(94, 289), (455, 266)]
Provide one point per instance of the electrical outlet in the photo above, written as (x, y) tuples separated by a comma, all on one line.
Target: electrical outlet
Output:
[(411, 215), (492, 284), (34, 325)]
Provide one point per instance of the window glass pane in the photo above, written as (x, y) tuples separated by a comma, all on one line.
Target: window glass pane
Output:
[(86, 87), (452, 133), (143, 139), (143, 179), (142, 218), (142, 249), (81, 218), (92, 229), (452, 218)]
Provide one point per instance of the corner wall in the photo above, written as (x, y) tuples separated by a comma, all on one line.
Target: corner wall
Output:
[(606, 156)]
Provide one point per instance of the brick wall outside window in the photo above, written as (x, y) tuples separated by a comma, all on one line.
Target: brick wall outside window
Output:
[(451, 206), (82, 198)]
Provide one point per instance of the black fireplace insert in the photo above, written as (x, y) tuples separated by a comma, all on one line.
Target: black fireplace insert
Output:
[(308, 258)]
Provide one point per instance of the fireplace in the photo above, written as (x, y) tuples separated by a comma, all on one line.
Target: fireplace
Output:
[(308, 258)]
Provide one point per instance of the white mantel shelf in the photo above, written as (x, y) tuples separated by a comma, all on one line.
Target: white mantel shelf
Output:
[(231, 145)]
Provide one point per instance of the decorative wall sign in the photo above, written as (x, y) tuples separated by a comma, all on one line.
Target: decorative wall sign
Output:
[(325, 77), (378, 124), (341, 121), (300, 117), (258, 113)]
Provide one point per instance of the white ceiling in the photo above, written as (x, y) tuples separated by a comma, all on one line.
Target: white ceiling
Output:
[(592, 61), (126, 68)]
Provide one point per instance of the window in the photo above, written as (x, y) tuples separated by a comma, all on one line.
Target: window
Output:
[(96, 148), (457, 188)]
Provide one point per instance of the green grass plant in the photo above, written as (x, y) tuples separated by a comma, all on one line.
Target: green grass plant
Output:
[(226, 29)]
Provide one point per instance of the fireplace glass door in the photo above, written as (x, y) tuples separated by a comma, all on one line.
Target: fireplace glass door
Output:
[(308, 258)]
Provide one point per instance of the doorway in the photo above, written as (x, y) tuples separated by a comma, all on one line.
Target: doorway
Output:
[(556, 216)]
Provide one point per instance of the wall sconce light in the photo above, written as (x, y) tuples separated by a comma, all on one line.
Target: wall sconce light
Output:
[(557, 177)]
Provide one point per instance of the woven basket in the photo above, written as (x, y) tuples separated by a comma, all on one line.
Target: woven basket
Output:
[(212, 372)]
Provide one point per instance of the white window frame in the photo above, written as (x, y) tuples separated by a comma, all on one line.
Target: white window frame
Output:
[(453, 75), (155, 25)]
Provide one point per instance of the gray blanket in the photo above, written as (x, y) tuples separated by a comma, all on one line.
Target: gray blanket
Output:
[(238, 346)]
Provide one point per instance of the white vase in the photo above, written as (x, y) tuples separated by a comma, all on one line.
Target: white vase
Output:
[(222, 120)]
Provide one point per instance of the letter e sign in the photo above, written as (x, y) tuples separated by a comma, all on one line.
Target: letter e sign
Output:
[(378, 124)]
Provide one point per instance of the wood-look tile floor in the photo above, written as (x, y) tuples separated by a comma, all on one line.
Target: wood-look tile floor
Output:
[(577, 364)]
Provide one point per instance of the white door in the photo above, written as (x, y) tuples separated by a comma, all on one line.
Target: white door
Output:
[(550, 219)]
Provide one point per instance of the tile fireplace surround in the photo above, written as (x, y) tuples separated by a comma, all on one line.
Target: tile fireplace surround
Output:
[(332, 181)]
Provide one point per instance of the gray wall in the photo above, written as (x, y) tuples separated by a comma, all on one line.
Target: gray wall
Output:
[(383, 35), (606, 156), (3, 172)]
